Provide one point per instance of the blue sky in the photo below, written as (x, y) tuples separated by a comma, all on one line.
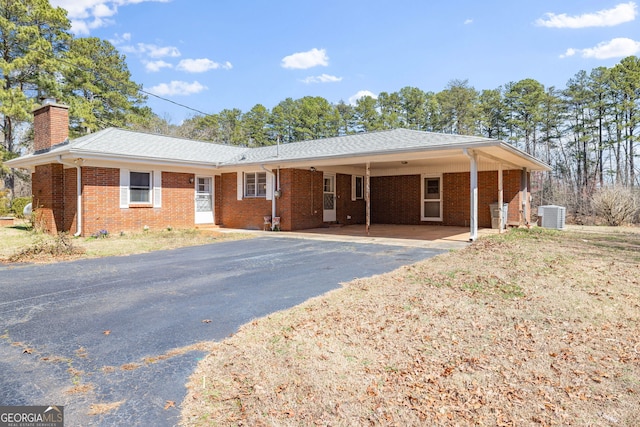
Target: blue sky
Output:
[(216, 54)]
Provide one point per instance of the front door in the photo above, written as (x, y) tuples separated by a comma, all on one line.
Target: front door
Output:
[(329, 198), (204, 200)]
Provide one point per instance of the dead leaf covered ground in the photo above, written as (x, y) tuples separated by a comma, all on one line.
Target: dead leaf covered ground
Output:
[(532, 327)]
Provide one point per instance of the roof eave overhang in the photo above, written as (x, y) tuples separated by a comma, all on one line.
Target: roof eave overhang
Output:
[(517, 158), (372, 156), (534, 163), (522, 160), (71, 154)]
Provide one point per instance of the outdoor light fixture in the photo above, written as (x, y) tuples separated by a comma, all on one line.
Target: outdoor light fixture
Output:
[(191, 180), (312, 169)]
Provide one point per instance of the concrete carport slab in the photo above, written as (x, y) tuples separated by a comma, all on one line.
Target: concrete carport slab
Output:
[(421, 236)]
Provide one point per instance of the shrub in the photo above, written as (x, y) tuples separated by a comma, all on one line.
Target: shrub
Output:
[(615, 205), (60, 246), (18, 205)]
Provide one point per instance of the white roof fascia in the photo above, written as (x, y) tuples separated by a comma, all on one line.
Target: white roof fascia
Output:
[(379, 155), (114, 158), (540, 165)]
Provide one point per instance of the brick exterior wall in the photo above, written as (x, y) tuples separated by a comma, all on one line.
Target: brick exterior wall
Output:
[(217, 200), (457, 199), (299, 208), (70, 200), (247, 213), (345, 206), (101, 203), (50, 126), (301, 201), (395, 199), (48, 197)]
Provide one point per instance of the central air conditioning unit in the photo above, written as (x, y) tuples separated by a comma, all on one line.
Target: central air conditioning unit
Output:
[(552, 216)]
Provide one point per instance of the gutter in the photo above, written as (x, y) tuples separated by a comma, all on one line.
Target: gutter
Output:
[(78, 191)]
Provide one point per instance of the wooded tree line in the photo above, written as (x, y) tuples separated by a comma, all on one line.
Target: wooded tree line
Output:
[(587, 131), (40, 58)]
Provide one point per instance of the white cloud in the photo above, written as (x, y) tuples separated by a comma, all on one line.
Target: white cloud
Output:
[(615, 48), (201, 65), (304, 60), (323, 78), (120, 38), (361, 94), (155, 66), (570, 52), (152, 50), (177, 88), (468, 21), (624, 12), (86, 15)]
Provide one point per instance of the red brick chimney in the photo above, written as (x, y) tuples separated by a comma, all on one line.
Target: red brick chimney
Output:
[(50, 125)]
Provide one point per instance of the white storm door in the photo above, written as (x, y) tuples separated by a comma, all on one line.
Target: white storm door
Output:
[(204, 200), (329, 199)]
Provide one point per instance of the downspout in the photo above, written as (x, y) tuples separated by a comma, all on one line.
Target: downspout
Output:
[(273, 196), (473, 190), (78, 191)]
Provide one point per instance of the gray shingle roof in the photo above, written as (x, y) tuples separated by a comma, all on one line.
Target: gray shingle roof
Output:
[(137, 144), (125, 143), (387, 141), (121, 143)]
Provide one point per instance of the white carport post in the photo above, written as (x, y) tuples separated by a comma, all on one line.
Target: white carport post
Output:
[(367, 196), (473, 190), (524, 189), (500, 199)]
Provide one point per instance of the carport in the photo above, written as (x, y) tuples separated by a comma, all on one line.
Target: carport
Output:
[(397, 177)]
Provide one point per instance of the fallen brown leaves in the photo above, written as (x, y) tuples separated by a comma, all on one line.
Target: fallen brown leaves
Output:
[(528, 328), (104, 408)]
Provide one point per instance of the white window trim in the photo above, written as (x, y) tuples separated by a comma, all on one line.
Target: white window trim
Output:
[(423, 177), (354, 187), (155, 188), (242, 186)]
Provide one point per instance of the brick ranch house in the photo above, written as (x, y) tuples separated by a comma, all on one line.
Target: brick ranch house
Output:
[(119, 180)]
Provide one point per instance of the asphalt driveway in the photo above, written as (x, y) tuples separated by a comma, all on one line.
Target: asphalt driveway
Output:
[(78, 333)]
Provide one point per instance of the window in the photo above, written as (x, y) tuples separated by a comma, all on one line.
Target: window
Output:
[(255, 184), (431, 198), (359, 187), (139, 187)]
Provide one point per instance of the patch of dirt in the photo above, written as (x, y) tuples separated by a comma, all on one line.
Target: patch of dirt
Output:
[(80, 389), (532, 327), (104, 408)]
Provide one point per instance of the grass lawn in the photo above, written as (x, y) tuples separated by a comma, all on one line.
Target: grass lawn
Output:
[(532, 327), (19, 244)]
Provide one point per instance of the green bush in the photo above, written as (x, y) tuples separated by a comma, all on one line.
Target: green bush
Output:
[(18, 205)]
